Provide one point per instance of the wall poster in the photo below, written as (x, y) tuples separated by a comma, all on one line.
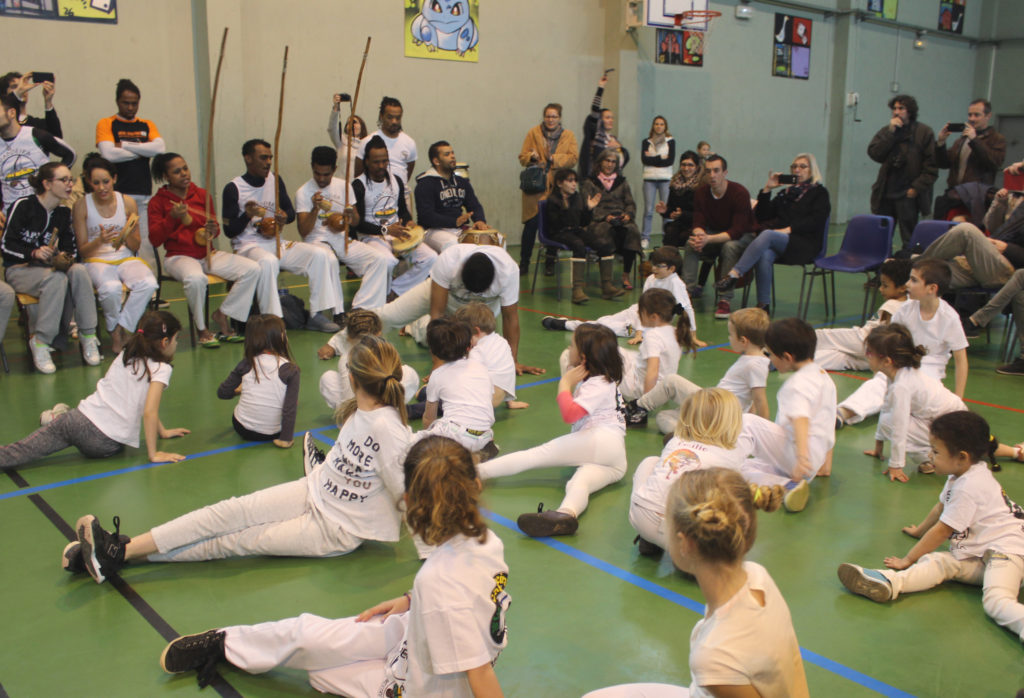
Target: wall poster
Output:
[(446, 30), (791, 47)]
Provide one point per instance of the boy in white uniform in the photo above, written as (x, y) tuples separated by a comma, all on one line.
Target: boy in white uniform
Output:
[(746, 378), (842, 348), (493, 351), (798, 445), (320, 208), (934, 324), (985, 529)]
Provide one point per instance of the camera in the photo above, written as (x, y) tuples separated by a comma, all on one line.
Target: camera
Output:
[(957, 127), (787, 179)]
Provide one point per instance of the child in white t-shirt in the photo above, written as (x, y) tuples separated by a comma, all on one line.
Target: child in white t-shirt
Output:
[(913, 399), (985, 529), (933, 324), (798, 445), (493, 351), (108, 420), (707, 436), (440, 639), (745, 643), (589, 399), (335, 387), (463, 385), (667, 263), (842, 348), (350, 495), (746, 378), (266, 382)]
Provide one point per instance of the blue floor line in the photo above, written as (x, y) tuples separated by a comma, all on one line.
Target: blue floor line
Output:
[(697, 607)]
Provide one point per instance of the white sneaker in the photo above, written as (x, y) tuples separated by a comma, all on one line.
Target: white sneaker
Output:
[(51, 414), (41, 356), (90, 345), (645, 243)]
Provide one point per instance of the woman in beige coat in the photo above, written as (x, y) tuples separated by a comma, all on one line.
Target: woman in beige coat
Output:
[(550, 146)]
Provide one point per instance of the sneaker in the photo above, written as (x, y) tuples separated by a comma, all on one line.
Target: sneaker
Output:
[(695, 291), (726, 283), (199, 653), (51, 414), (636, 416), (766, 307), (90, 345), (41, 356), (647, 548), (71, 559), (869, 583), (318, 323), (102, 552), (645, 244), (489, 451), (840, 423), (723, 310), (1014, 368), (547, 523), (553, 323), (311, 455), (796, 496), (971, 330)]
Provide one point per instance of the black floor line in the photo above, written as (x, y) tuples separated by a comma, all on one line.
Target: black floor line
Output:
[(124, 588)]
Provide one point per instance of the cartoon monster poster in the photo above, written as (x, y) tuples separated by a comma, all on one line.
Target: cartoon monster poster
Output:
[(447, 30)]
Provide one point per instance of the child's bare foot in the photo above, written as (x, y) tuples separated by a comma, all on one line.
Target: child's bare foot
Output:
[(896, 475), (517, 405)]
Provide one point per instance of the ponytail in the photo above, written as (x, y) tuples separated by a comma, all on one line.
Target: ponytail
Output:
[(443, 492), (894, 342), (658, 301), (43, 174), (158, 168), (376, 369), (146, 343)]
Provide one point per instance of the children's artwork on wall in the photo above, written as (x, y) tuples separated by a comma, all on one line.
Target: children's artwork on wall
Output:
[(951, 16), (446, 30), (693, 48), (791, 47), (669, 49), (67, 10), (885, 9)]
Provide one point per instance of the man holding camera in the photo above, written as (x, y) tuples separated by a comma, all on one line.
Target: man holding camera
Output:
[(975, 156), (906, 150)]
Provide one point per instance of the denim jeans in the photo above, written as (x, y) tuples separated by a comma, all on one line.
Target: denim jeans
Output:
[(760, 256), (652, 187)]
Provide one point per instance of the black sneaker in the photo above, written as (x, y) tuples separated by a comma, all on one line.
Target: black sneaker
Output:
[(199, 653), (726, 283), (1014, 368), (547, 523), (636, 416), (102, 552), (71, 559), (311, 455), (489, 451), (551, 322), (971, 330), (647, 548)]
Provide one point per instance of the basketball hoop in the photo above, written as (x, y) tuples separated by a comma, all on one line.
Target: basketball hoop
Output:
[(698, 23)]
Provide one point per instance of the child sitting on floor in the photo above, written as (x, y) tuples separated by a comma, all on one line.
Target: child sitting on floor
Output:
[(493, 351), (746, 378), (798, 445), (842, 348), (984, 527)]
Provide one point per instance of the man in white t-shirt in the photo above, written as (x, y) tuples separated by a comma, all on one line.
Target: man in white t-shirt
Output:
[(320, 205), (463, 273), (401, 147)]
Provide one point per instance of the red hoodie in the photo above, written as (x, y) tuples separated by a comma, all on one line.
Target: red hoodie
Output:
[(166, 230)]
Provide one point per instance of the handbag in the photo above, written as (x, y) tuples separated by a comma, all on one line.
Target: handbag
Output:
[(533, 180)]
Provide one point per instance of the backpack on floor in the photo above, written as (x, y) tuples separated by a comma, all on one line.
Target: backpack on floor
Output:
[(294, 311)]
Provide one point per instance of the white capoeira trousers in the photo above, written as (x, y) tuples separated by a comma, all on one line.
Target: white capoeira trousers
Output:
[(774, 453), (343, 657), (335, 390), (648, 523), (314, 262), (841, 349), (599, 455), (245, 274), (673, 388), (372, 263), (413, 308), (107, 279), (640, 690), (421, 260), (280, 520)]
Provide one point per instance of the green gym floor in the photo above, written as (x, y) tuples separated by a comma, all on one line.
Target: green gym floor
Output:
[(587, 610)]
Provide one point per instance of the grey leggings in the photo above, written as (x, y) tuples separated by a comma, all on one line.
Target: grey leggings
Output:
[(69, 429)]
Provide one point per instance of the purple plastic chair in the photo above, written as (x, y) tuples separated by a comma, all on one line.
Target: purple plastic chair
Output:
[(809, 272), (545, 243), (866, 244), (926, 232)]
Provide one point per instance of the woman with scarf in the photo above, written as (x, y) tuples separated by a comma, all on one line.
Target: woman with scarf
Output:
[(658, 154), (793, 227), (598, 133), (677, 211), (551, 147), (613, 228)]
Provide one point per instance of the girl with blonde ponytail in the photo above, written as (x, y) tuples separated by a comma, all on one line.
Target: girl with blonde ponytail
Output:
[(745, 644), (349, 495)]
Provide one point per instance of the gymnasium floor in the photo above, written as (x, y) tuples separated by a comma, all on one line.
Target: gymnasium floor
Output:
[(587, 610)]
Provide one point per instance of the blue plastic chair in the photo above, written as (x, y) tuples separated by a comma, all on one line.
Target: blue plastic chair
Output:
[(927, 232), (809, 270), (545, 243), (866, 244)]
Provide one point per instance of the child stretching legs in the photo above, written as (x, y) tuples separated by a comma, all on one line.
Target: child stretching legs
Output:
[(982, 524), (440, 639), (588, 397)]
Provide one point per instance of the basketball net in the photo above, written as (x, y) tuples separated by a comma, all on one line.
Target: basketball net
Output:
[(698, 23)]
